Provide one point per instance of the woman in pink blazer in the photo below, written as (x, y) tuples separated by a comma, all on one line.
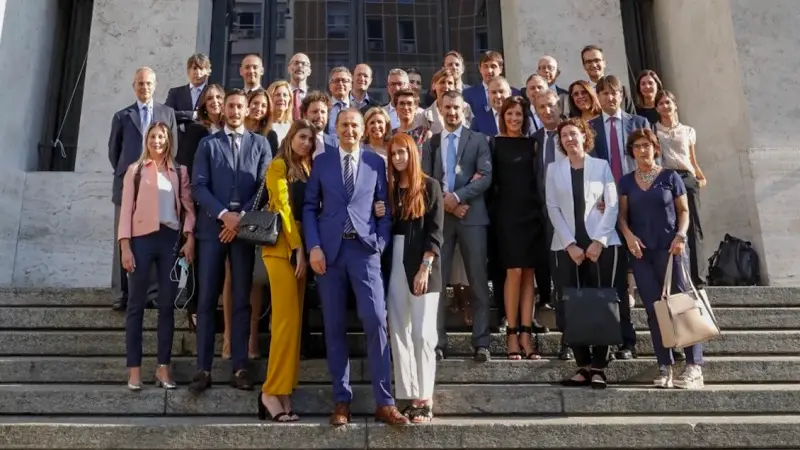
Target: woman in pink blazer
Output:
[(155, 227)]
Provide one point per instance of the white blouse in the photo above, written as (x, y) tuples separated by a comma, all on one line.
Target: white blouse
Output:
[(166, 202), (281, 129), (675, 142)]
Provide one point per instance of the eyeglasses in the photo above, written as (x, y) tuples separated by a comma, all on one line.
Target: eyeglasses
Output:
[(548, 68), (643, 146), (301, 63), (341, 81)]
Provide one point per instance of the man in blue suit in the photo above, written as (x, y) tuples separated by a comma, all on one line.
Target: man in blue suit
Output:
[(128, 127), (346, 242), (479, 96), (229, 170)]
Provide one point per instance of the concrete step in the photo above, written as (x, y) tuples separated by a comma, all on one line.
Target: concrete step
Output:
[(112, 343), (99, 370), (611, 432), (719, 296), (450, 399), (78, 318)]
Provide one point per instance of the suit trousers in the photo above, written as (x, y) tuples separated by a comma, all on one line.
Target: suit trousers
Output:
[(154, 250), (472, 242), (412, 321), (359, 266), (649, 273), (119, 278), (287, 292), (211, 274)]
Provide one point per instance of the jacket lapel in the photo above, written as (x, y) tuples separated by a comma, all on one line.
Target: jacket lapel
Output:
[(362, 174), (244, 150), (176, 182), (225, 148), (600, 146), (135, 117), (462, 143)]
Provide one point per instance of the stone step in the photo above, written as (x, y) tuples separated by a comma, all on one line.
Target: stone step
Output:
[(79, 318), (450, 399), (719, 296), (99, 370), (112, 343), (610, 432)]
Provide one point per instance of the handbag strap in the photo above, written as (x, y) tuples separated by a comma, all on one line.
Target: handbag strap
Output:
[(262, 186), (665, 293)]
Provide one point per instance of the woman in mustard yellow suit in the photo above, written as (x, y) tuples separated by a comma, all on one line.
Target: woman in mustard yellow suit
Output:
[(286, 267)]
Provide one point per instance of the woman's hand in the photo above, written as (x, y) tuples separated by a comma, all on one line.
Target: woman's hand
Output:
[(188, 248), (635, 245), (300, 268), (421, 281), (678, 244), (576, 253), (701, 181), (380, 209), (126, 257), (594, 251)]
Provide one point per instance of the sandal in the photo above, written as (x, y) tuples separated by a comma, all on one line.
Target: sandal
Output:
[(601, 383), (263, 413), (512, 355), (533, 354), (587, 379), (421, 414)]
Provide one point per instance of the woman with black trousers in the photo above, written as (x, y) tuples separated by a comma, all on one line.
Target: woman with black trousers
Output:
[(584, 237)]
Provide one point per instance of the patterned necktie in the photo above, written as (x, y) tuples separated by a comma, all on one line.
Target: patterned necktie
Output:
[(145, 118), (550, 150), (451, 162), (235, 142), (616, 155), (296, 100), (349, 186)]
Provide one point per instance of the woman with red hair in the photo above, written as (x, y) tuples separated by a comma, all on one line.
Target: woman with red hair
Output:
[(415, 202)]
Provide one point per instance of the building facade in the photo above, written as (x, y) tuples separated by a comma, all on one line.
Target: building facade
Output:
[(68, 66)]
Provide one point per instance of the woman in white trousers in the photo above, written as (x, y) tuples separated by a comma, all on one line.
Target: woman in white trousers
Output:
[(415, 202)]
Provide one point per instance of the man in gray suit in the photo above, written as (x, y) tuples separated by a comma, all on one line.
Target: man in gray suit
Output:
[(128, 127), (460, 159)]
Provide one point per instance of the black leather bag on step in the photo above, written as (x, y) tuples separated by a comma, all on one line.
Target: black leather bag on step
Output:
[(260, 226), (591, 314)]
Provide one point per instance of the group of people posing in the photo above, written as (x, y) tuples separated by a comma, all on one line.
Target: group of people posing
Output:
[(536, 192)]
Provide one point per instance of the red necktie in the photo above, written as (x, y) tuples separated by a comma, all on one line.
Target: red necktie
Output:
[(616, 155), (296, 101)]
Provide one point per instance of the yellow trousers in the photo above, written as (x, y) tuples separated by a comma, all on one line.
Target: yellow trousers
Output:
[(287, 292)]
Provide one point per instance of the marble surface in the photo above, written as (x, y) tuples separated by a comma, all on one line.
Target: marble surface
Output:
[(532, 28), (12, 185), (125, 36)]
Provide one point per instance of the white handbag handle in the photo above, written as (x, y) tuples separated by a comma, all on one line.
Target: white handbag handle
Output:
[(666, 290)]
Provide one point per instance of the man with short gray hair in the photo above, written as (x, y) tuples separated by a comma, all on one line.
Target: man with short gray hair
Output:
[(340, 83)]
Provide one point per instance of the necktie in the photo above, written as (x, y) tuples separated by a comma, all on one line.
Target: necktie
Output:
[(616, 155), (549, 150), (451, 162), (145, 118), (235, 148), (296, 101), (349, 186)]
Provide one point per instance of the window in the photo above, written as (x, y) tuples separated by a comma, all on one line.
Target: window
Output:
[(375, 34), (233, 79), (338, 20), (249, 25), (279, 67), (408, 41), (481, 42), (280, 32), (336, 60)]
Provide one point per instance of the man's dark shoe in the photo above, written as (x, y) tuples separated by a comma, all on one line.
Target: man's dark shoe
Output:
[(482, 354), (200, 383), (565, 354), (678, 354), (241, 380), (120, 305), (624, 353)]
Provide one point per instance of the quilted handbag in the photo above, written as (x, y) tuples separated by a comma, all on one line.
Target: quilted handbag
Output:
[(259, 226)]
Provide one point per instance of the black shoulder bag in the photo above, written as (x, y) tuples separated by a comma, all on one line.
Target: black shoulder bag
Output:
[(260, 227)]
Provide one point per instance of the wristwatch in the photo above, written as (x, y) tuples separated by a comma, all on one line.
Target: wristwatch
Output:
[(426, 263), (681, 235)]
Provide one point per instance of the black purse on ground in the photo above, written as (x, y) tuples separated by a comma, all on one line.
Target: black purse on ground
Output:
[(260, 226), (591, 315)]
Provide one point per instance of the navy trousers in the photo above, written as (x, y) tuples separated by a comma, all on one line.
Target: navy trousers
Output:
[(155, 249), (211, 275), (357, 266)]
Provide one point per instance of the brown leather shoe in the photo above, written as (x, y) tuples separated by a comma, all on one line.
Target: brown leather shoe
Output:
[(341, 414), (390, 416)]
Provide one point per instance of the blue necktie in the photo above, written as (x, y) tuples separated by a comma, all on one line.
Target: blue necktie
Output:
[(349, 186), (145, 118), (451, 162)]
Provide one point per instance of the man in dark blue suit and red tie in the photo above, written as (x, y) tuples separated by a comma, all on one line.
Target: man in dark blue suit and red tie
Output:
[(229, 170), (346, 242)]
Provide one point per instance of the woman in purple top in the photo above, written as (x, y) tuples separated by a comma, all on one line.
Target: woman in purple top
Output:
[(654, 218)]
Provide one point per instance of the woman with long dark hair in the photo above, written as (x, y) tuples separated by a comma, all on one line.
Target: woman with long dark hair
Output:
[(583, 101), (647, 86)]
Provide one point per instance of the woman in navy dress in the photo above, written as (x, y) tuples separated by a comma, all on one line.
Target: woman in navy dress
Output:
[(654, 219)]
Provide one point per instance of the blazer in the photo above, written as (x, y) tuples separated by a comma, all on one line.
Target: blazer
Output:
[(180, 99), (598, 184), (629, 123), (280, 203), (214, 179), (425, 235), (139, 216), (563, 100), (472, 156), (190, 141), (326, 205), (126, 138)]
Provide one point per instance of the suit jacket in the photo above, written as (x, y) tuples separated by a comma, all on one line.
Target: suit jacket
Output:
[(180, 99), (326, 204), (425, 235), (139, 216), (563, 100), (190, 140), (214, 179), (598, 184), (629, 123), (279, 202), (472, 156), (126, 138)]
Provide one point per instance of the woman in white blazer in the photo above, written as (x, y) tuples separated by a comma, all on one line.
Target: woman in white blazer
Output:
[(584, 238)]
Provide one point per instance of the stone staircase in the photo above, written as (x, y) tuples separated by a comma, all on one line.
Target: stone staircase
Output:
[(62, 374)]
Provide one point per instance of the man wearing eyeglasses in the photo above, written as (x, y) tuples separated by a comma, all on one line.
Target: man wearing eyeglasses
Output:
[(299, 69)]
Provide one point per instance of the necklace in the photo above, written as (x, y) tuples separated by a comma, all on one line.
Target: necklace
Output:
[(647, 177)]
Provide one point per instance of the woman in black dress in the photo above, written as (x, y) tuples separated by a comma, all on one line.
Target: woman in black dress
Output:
[(518, 214)]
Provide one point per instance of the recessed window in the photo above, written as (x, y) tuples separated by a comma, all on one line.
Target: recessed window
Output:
[(249, 25), (375, 34), (338, 20), (408, 40)]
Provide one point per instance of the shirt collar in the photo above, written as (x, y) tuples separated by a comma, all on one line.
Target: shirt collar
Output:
[(364, 100), (150, 162), (301, 87), (142, 105), (617, 114), (457, 133), (239, 130), (201, 86), (356, 155), (345, 102)]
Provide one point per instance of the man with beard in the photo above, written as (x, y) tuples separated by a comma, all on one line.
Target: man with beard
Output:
[(299, 69), (314, 108)]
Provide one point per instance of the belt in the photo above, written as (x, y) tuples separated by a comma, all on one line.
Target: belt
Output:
[(350, 236)]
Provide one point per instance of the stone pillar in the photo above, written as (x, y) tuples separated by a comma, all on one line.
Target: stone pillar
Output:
[(532, 28), (728, 63)]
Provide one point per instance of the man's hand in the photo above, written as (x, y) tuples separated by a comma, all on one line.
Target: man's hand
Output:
[(380, 209), (461, 211), (231, 220), (450, 201), (317, 259), (226, 236)]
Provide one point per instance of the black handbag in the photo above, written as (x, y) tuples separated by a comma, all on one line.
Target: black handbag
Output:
[(260, 226), (591, 315)]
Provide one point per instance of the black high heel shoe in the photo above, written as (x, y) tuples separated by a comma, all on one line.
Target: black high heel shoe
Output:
[(263, 412)]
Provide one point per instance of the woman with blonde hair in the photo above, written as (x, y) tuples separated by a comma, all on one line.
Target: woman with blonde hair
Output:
[(286, 267), (377, 132), (280, 94), (443, 80)]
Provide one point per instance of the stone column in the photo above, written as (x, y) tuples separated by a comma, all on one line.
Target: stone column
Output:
[(532, 28), (730, 64)]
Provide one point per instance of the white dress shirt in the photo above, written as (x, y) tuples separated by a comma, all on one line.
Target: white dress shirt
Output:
[(195, 93), (356, 157), (320, 149), (166, 201), (443, 150), (496, 115)]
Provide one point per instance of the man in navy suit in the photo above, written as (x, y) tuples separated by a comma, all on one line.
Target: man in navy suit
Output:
[(346, 241), (478, 97), (613, 127), (128, 127), (183, 99), (228, 172)]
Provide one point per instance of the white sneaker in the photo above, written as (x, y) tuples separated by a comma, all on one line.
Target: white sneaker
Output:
[(664, 378), (691, 378)]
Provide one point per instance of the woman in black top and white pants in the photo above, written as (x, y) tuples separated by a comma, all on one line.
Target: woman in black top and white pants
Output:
[(416, 278)]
